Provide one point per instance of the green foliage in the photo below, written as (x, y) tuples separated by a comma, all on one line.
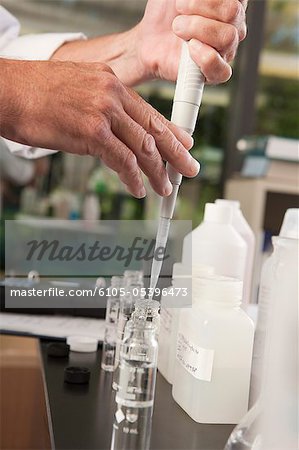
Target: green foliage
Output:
[(279, 114)]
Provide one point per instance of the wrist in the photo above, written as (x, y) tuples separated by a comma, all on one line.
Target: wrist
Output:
[(128, 65), (119, 51)]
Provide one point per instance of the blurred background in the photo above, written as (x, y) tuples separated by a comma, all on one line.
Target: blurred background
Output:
[(231, 139)]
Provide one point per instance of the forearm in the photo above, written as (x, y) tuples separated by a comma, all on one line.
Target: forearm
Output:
[(11, 92), (119, 51)]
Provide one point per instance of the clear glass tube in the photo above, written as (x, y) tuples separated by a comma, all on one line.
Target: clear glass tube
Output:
[(246, 435), (133, 277), (112, 314), (136, 388), (146, 309), (126, 307)]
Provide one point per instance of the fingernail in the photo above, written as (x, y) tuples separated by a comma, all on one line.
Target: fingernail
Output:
[(142, 193), (194, 166), (167, 188), (189, 141)]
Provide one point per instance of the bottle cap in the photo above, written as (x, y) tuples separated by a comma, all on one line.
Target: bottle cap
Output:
[(83, 344), (76, 375), (101, 282), (290, 224), (147, 304), (221, 214), (58, 349), (223, 201)]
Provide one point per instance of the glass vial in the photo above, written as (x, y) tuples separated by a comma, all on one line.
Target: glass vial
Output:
[(112, 314), (136, 389)]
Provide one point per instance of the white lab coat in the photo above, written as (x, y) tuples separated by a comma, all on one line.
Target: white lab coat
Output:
[(30, 47)]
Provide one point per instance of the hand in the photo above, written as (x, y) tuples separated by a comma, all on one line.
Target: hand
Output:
[(83, 108), (213, 27)]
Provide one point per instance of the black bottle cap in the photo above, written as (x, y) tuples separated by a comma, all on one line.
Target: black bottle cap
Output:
[(58, 349), (76, 375)]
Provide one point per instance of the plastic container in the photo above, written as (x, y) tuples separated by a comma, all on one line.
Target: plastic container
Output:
[(214, 352), (170, 316), (272, 423), (289, 229), (241, 226), (216, 243)]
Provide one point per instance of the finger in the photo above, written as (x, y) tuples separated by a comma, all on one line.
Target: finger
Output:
[(244, 3), (185, 138), (221, 36), (228, 11), (168, 145), (144, 147), (119, 158), (212, 65)]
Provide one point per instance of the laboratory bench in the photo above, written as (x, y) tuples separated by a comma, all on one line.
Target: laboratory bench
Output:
[(80, 417)]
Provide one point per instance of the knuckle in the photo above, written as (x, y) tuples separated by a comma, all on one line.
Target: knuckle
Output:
[(111, 83), (148, 145), (232, 11), (100, 130), (230, 37), (209, 61), (156, 126), (176, 149), (106, 105), (101, 67)]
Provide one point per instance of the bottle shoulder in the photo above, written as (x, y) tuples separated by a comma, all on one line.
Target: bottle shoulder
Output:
[(207, 315), (225, 234)]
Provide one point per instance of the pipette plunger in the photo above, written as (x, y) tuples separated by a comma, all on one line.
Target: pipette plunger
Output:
[(186, 103)]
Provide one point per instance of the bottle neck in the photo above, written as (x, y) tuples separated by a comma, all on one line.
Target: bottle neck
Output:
[(217, 292)]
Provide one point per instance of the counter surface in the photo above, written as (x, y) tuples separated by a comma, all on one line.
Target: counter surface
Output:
[(82, 416)]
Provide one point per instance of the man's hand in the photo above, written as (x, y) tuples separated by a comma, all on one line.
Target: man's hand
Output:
[(152, 49), (83, 108), (213, 27)]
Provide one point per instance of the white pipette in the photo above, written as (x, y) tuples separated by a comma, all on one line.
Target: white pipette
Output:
[(186, 103)]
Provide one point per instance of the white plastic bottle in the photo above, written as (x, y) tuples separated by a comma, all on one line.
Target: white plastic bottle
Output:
[(290, 230), (216, 243), (241, 226), (214, 351), (181, 279), (272, 421)]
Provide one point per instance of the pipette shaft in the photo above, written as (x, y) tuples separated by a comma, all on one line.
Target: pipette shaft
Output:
[(186, 103)]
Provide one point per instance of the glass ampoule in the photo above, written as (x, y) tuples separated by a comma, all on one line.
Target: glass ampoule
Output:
[(112, 314), (126, 307), (142, 308), (133, 277), (246, 435), (137, 378)]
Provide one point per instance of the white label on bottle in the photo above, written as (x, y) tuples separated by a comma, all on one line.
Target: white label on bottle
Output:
[(196, 360)]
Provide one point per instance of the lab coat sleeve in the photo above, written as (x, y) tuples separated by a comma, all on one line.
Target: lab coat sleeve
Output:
[(29, 47)]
